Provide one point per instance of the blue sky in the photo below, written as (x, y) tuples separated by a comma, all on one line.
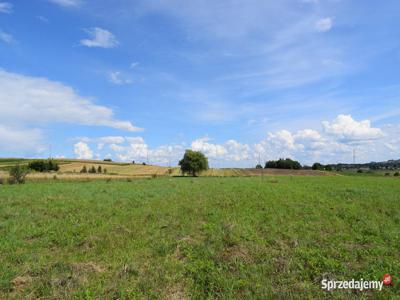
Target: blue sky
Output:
[(238, 80)]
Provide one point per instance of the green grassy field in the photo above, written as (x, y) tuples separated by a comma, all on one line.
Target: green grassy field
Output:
[(198, 238)]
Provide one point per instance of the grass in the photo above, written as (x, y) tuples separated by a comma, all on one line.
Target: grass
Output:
[(198, 238)]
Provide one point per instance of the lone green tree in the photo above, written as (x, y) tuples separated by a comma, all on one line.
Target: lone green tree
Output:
[(193, 162)]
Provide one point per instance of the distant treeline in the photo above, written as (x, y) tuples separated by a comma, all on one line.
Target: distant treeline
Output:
[(384, 165), (283, 164), (295, 165)]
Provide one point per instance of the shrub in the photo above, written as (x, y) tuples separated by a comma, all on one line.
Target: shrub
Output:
[(107, 159), (133, 162), (1, 181), (259, 166), (84, 170), (397, 174), (92, 170), (317, 166), (44, 165), (18, 174), (360, 171), (99, 169), (143, 163), (105, 171), (387, 174)]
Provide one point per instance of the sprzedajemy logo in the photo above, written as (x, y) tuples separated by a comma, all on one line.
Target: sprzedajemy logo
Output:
[(353, 284)]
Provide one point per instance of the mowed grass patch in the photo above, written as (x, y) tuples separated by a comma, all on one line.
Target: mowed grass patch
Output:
[(198, 238)]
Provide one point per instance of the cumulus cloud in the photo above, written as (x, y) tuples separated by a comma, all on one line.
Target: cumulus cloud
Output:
[(308, 134), (238, 151), (34, 100), (345, 128), (230, 151), (334, 142), (83, 151), (324, 24), (282, 139), (67, 3), (137, 149), (209, 149), (6, 7), (99, 38)]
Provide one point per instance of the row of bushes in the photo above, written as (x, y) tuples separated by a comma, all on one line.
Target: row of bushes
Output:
[(93, 170), (44, 165), (321, 167)]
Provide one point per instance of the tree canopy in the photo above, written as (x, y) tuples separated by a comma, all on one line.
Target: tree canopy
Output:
[(193, 162), (283, 164)]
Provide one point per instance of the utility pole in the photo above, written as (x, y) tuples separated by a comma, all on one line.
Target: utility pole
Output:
[(169, 158), (262, 168)]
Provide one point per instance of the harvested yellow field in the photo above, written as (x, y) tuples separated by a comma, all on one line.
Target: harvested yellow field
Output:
[(114, 169), (70, 170)]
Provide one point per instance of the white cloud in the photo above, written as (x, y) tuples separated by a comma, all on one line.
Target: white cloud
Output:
[(20, 140), (230, 151), (117, 148), (283, 139), (6, 38), (237, 151), (345, 128), (6, 7), (324, 24), (35, 101), (136, 149), (67, 3), (334, 143), (99, 38), (118, 78), (308, 134), (82, 151), (210, 150)]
